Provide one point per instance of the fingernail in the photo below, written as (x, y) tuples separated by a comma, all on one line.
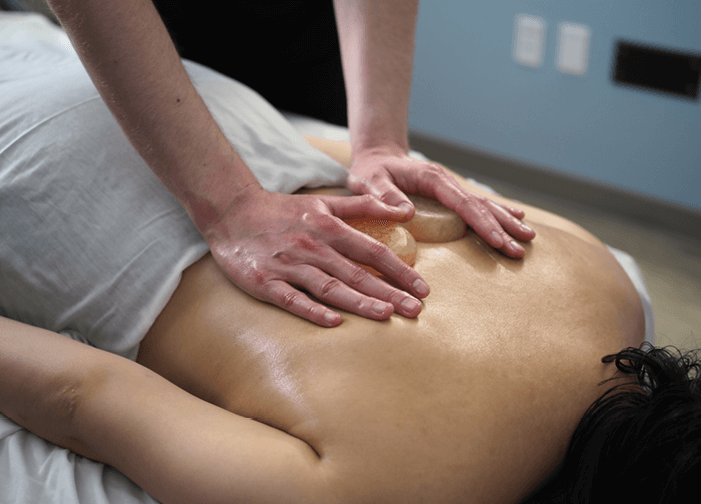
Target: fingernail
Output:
[(498, 240), (517, 246), (405, 207), (410, 305), (525, 228), (381, 308), (331, 318), (420, 287)]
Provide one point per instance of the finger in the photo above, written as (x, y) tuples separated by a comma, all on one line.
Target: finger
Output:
[(345, 245), (479, 213), (288, 298), (512, 249), (336, 292), (516, 229), (352, 287), (472, 210), (331, 234), (363, 249), (512, 225), (366, 206), (516, 212), (385, 190)]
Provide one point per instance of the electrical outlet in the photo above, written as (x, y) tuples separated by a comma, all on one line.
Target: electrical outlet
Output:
[(528, 40), (573, 48)]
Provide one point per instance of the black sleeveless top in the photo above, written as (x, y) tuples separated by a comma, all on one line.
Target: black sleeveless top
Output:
[(287, 50)]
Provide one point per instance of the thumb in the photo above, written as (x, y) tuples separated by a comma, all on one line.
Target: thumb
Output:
[(366, 206), (384, 191)]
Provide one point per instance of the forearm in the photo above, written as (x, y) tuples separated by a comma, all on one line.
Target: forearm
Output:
[(40, 382), (129, 55), (177, 447), (377, 45)]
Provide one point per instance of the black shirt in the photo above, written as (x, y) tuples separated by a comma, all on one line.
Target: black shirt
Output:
[(287, 50)]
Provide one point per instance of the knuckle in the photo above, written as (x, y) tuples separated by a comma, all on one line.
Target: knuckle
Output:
[(402, 273), (470, 203), (358, 183), (358, 277), (387, 196), (253, 275), (432, 174), (290, 299), (407, 275), (467, 200), (395, 297), (378, 250), (305, 242), (328, 223), (283, 257), (367, 199), (361, 304), (314, 313), (328, 287), (257, 277)]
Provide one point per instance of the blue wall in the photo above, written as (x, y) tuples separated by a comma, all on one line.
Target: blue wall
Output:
[(468, 90)]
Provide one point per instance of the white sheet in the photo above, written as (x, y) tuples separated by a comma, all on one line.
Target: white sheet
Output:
[(33, 471), (68, 171)]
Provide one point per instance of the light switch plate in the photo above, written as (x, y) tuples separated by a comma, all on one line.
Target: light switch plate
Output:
[(528, 40), (573, 48)]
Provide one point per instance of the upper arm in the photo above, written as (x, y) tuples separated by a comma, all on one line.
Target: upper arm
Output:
[(176, 446), (183, 449)]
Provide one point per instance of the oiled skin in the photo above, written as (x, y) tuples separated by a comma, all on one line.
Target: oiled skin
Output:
[(473, 401)]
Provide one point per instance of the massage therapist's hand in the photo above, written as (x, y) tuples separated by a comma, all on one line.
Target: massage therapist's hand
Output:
[(273, 245), (388, 173)]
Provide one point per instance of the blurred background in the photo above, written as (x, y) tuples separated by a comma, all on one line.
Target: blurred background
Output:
[(469, 89), (587, 109)]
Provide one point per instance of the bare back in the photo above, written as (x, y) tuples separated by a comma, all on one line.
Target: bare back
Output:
[(474, 400)]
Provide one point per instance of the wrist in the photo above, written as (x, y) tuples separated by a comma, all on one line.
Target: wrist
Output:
[(371, 154), (218, 196), (374, 125), (372, 145)]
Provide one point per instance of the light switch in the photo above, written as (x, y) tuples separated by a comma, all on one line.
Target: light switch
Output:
[(528, 40), (573, 48)]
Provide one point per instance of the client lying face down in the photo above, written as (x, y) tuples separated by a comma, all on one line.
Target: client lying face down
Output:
[(473, 401)]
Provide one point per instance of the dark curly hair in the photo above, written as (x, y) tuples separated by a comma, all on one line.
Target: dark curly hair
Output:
[(639, 442)]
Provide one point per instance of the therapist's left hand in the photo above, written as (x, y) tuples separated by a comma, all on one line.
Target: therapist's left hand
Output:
[(388, 173)]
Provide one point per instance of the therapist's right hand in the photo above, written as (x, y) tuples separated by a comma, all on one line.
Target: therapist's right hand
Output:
[(275, 246)]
